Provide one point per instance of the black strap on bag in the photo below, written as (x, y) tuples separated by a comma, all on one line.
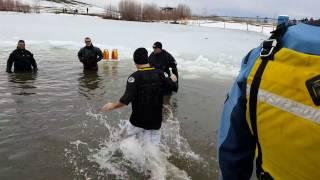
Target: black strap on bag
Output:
[(269, 49)]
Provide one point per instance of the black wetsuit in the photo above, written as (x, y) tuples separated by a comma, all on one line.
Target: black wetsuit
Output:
[(164, 61), (22, 60), (145, 90), (90, 56)]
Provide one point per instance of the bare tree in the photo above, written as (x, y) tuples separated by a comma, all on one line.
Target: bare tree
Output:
[(13, 5), (111, 12), (133, 11), (36, 6), (151, 12), (183, 11), (130, 10)]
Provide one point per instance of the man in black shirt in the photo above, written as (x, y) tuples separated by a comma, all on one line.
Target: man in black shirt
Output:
[(145, 90), (161, 59), (90, 56), (22, 60)]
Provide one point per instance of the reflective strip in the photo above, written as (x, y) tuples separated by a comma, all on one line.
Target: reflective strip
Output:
[(146, 69), (288, 105)]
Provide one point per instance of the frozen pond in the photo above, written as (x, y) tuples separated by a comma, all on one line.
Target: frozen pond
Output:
[(51, 126)]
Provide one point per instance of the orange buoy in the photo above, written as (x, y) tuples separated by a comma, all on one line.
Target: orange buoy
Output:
[(106, 54), (114, 54)]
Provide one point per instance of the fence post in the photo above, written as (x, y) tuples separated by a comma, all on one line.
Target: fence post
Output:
[(247, 24)]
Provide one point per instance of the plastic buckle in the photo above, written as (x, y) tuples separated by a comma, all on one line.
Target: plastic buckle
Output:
[(264, 176), (267, 47), (313, 86)]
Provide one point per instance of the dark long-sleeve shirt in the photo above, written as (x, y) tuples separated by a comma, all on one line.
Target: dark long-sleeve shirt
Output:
[(145, 90), (22, 60), (164, 61), (90, 56)]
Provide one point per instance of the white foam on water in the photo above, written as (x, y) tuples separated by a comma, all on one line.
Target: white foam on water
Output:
[(203, 67), (119, 157), (77, 143)]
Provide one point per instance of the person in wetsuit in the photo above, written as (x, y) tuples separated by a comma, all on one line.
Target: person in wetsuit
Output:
[(90, 55), (145, 90), (163, 60), (21, 59)]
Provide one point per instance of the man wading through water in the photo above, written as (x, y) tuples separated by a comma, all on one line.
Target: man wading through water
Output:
[(90, 56), (145, 90), (22, 60)]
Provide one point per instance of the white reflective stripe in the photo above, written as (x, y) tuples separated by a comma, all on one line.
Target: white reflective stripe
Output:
[(285, 104)]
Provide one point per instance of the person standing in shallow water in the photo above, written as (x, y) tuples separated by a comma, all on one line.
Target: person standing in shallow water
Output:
[(145, 90), (21, 59), (163, 60), (89, 55)]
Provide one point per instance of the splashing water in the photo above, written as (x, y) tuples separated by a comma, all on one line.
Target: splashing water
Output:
[(119, 157)]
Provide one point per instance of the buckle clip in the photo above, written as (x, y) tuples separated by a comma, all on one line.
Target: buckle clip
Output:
[(265, 176), (268, 47)]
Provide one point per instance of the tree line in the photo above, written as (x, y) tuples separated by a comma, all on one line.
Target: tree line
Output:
[(13, 5), (135, 11)]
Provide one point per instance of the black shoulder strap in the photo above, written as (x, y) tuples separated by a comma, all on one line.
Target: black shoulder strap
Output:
[(269, 48)]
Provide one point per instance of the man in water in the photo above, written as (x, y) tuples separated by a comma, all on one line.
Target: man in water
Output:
[(90, 56), (161, 59), (145, 90), (22, 60)]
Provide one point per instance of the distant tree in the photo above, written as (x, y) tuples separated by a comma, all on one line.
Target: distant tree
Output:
[(151, 12), (130, 10), (183, 11), (111, 12), (36, 6), (13, 5)]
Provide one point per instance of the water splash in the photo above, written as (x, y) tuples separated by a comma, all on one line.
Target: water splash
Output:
[(121, 157)]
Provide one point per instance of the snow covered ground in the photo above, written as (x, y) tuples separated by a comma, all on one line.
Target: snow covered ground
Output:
[(48, 6), (201, 52), (234, 25), (98, 7)]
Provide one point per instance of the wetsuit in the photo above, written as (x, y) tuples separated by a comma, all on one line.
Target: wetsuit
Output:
[(22, 60), (164, 61), (145, 90), (90, 56)]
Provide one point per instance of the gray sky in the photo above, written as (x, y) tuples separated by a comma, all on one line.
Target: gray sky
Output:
[(270, 8)]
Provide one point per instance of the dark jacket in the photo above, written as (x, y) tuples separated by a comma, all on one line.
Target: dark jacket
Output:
[(164, 61), (90, 56), (22, 60), (145, 90)]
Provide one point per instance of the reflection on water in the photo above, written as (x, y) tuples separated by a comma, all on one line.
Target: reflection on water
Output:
[(23, 83), (95, 84), (110, 68), (88, 82)]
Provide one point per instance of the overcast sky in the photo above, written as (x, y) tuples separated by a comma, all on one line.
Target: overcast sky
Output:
[(270, 8)]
